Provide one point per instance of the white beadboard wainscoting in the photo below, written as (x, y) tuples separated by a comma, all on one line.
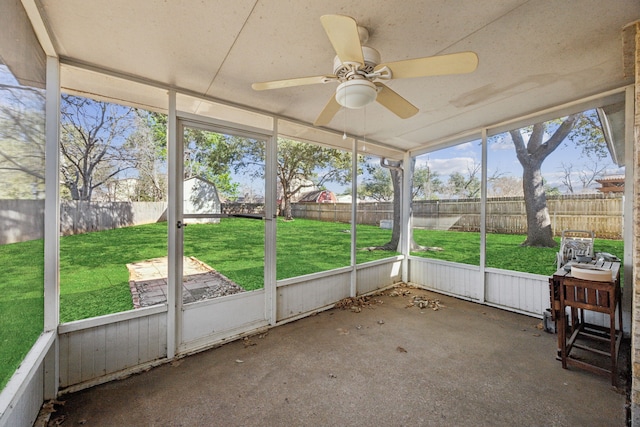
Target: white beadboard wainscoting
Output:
[(103, 346), (523, 293), (221, 319), (22, 397), (304, 295), (375, 275), (450, 278)]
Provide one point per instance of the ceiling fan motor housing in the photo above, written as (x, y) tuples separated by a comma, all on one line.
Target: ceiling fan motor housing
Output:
[(344, 71)]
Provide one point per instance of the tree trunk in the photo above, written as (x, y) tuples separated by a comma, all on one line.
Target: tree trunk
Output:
[(286, 207), (539, 232), (396, 181), (531, 155), (394, 243)]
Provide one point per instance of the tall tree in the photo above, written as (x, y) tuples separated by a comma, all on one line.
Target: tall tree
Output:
[(302, 166), (151, 183), (567, 176), (396, 173), (464, 185), (378, 185), (589, 172), (505, 186), (531, 155), (21, 139), (209, 155), (212, 156), (426, 183), (92, 144), (583, 129)]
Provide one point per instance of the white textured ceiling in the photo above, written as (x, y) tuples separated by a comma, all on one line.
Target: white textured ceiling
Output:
[(534, 54)]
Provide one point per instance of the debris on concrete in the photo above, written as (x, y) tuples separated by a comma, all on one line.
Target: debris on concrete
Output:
[(355, 304), (424, 302), (44, 416), (401, 349), (399, 293), (358, 303)]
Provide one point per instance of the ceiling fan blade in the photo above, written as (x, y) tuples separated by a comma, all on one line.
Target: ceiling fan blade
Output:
[(301, 81), (343, 35), (455, 63), (328, 112), (394, 102)]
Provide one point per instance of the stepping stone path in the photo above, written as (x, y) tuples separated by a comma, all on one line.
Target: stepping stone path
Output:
[(148, 282)]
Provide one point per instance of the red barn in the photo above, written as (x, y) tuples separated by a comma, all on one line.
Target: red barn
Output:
[(318, 196)]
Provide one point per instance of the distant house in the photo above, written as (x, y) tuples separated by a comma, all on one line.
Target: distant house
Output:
[(611, 184), (201, 197), (318, 196)]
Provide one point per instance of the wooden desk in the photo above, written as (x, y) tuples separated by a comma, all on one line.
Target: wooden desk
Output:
[(580, 295)]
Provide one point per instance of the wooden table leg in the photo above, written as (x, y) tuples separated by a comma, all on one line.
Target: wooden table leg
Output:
[(562, 335)]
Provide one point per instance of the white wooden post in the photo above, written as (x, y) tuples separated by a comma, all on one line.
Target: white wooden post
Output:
[(483, 216), (405, 215), (271, 225), (52, 223), (174, 244), (354, 216)]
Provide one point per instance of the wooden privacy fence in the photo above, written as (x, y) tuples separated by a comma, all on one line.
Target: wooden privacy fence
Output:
[(82, 217), (597, 212), (368, 213), (24, 219)]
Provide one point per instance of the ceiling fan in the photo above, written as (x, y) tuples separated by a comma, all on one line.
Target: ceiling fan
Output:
[(358, 70)]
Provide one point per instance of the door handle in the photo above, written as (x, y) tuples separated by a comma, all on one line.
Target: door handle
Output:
[(181, 224)]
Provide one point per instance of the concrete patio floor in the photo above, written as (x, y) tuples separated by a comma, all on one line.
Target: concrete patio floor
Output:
[(388, 365)]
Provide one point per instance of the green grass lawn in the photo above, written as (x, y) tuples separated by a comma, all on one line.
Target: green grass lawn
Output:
[(234, 247), (21, 303), (94, 278), (503, 250)]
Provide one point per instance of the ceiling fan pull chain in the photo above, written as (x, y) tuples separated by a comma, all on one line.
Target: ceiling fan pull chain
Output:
[(344, 134), (364, 131)]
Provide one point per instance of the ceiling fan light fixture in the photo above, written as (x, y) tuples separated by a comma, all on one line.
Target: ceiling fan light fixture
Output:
[(356, 93)]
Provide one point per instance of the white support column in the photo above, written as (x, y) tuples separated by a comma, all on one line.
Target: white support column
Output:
[(174, 244), (405, 214), (354, 216), (627, 214), (631, 34), (52, 199), (271, 225), (483, 215), (52, 223)]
